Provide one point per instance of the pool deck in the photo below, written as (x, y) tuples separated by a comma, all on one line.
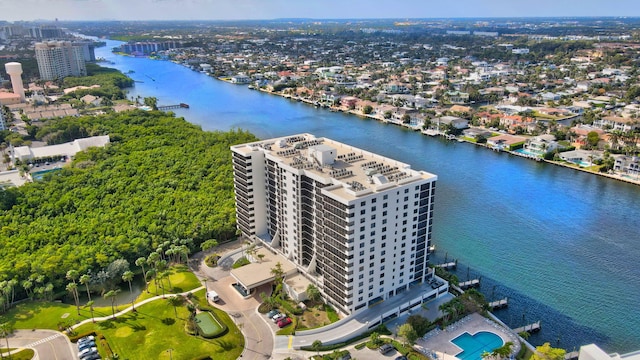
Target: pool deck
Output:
[(439, 341)]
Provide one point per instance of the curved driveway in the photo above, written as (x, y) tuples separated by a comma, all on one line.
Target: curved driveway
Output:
[(48, 344), (257, 332)]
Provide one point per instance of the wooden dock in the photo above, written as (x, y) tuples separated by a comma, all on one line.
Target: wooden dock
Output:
[(498, 304), (531, 328), (469, 284), (448, 265), (176, 106)]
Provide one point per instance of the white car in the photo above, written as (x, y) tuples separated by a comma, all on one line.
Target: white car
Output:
[(277, 317), (87, 351)]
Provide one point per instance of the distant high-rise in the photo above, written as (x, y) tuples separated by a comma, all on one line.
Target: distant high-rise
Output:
[(59, 59), (14, 69)]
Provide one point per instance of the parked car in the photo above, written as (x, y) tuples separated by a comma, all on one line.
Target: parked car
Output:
[(86, 339), (284, 322), (86, 345), (401, 357), (278, 317), (92, 356), (273, 313), (86, 352), (385, 348), (346, 356)]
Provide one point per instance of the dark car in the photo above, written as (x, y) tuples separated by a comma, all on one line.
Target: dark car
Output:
[(401, 357), (273, 313), (386, 348), (284, 322)]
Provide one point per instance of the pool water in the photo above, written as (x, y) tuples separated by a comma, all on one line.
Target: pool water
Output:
[(474, 345)]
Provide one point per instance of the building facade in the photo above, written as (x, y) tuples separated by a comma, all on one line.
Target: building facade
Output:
[(59, 59), (357, 224)]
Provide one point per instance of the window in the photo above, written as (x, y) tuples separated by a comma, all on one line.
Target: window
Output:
[(385, 197)]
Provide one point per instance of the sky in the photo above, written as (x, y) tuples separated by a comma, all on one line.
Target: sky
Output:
[(14, 10)]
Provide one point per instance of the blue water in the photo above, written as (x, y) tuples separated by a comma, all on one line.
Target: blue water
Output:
[(39, 175), (561, 244), (474, 345)]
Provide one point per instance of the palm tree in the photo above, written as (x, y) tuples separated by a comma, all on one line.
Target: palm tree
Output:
[(72, 287), (27, 285), (85, 280), (152, 273), (128, 276), (111, 294), (141, 261), (316, 345), (6, 329), (72, 275), (90, 305), (175, 301)]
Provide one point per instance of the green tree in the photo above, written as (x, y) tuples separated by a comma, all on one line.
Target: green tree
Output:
[(316, 346), (6, 329), (367, 109), (72, 287), (141, 261), (313, 293), (112, 294), (90, 305), (546, 352), (85, 279), (592, 139), (208, 244), (151, 102), (175, 301), (128, 277), (375, 338), (408, 333)]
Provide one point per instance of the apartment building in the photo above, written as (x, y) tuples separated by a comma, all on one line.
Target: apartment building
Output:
[(357, 224), (59, 59)]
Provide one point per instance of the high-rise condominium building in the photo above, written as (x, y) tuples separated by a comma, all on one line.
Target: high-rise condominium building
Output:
[(357, 223), (59, 59)]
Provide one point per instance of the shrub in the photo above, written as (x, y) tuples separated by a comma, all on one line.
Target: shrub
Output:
[(240, 262), (212, 260)]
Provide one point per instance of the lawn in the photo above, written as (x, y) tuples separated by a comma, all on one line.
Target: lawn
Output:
[(317, 316), (50, 315), (181, 280), (153, 329), (26, 354)]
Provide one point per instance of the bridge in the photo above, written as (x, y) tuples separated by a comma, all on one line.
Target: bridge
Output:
[(177, 106)]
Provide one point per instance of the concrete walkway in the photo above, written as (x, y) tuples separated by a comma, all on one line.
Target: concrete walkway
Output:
[(130, 308)]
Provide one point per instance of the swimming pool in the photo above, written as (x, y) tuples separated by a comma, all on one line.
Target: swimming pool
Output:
[(38, 175), (474, 345)]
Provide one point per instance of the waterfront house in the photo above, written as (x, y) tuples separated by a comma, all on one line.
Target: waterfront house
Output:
[(627, 164), (240, 79), (617, 123), (582, 158), (456, 122), (541, 145), (506, 142)]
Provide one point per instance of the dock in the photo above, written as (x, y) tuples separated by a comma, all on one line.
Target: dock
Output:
[(498, 304), (448, 265), (469, 284), (176, 106), (571, 355), (531, 328)]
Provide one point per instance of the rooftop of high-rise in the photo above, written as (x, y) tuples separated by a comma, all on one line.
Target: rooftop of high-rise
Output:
[(352, 171)]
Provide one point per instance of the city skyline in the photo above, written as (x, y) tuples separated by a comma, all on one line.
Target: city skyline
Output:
[(16, 10)]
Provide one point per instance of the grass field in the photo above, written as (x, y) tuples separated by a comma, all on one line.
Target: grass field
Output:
[(50, 315), (153, 329)]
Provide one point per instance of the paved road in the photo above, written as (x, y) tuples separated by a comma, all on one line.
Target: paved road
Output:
[(48, 344), (257, 332)]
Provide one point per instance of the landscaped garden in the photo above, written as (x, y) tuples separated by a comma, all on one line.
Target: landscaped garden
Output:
[(161, 325)]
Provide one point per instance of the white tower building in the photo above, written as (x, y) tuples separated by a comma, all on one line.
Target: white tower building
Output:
[(14, 70)]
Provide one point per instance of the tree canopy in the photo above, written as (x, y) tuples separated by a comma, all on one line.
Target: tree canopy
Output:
[(160, 179)]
